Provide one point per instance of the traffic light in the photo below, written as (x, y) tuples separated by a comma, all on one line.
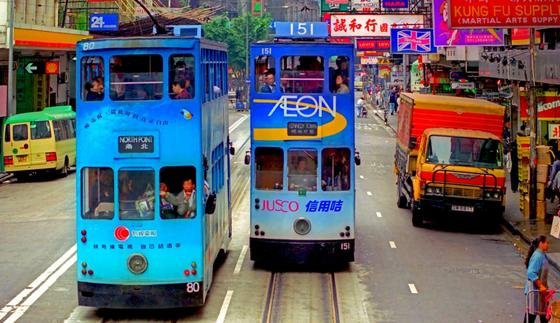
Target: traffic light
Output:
[(256, 7)]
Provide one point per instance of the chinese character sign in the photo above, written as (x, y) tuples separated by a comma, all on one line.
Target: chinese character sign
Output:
[(504, 13), (446, 36), (373, 44), (411, 41), (347, 25)]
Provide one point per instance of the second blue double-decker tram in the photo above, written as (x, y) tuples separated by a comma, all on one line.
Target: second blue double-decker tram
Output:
[(302, 147), (153, 209)]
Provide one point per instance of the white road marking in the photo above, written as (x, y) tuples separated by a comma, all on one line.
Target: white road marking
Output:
[(238, 123), (361, 176), (412, 288), (369, 193), (37, 282), (392, 244), (225, 305), (240, 260), (20, 309), (379, 214)]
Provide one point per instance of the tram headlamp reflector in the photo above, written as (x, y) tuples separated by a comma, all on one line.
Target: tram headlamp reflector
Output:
[(137, 263), (302, 226)]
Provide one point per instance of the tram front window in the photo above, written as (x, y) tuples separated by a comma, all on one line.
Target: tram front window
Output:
[(181, 77), (92, 78), (302, 170), (136, 194), (97, 193), (136, 77), (269, 168), (335, 169), (302, 74)]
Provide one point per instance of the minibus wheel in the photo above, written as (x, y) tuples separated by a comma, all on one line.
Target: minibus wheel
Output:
[(64, 170)]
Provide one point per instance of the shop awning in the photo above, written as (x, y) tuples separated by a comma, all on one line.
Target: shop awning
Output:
[(48, 38)]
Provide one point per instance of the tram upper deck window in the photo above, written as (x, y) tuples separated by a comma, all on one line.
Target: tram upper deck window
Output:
[(97, 193), (335, 169), (302, 74), (339, 81), (92, 78), (177, 192), (136, 194), (302, 169), (136, 77), (265, 74), (269, 168), (181, 77)]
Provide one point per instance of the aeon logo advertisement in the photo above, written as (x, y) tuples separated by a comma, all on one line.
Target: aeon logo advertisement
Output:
[(304, 106), (122, 233), (283, 206)]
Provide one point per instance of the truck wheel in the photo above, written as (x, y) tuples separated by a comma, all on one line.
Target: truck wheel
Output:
[(417, 217), (402, 203)]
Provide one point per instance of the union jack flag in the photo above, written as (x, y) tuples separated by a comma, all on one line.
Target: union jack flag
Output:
[(414, 40)]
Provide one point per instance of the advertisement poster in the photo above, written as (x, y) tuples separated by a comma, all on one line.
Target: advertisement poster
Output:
[(411, 41), (445, 36)]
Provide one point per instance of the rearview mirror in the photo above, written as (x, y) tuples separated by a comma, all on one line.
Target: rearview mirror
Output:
[(247, 157), (357, 158), (210, 204)]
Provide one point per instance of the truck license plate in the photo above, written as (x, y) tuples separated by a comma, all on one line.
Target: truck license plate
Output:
[(462, 208), (22, 159)]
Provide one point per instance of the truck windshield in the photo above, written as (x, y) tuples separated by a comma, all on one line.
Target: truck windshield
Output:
[(477, 152)]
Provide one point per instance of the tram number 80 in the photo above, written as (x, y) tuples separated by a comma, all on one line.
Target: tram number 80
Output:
[(345, 246), (193, 287)]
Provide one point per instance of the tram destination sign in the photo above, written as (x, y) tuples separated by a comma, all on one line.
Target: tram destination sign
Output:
[(504, 13), (302, 128), (136, 144)]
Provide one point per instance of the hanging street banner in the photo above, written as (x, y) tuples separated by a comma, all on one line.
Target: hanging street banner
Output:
[(393, 4), (412, 41), (348, 25), (445, 36), (381, 44), (504, 13)]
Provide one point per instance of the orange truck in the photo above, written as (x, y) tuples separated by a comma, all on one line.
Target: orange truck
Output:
[(449, 157)]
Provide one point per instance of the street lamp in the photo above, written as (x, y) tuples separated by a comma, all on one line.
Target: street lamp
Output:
[(10, 39)]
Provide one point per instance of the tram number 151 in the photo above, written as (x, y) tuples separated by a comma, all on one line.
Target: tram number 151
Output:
[(193, 287), (345, 246), (302, 29)]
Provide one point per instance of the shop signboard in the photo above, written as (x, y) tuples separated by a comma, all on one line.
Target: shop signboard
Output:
[(548, 105), (504, 13), (372, 25), (335, 5), (445, 36), (553, 131), (365, 5), (394, 4), (373, 44)]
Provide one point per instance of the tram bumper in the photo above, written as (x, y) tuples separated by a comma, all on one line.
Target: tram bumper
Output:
[(138, 296), (302, 252)]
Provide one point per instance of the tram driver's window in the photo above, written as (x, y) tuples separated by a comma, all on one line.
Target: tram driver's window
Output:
[(136, 194), (97, 193), (265, 74), (302, 169), (269, 168), (335, 169), (177, 192), (93, 88), (339, 74), (302, 74), (136, 77), (181, 77)]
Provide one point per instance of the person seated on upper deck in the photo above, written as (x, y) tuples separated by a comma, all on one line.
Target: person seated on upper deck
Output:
[(341, 87), (181, 93), (269, 82), (94, 93), (302, 177)]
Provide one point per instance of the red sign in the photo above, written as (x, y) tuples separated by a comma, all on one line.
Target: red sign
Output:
[(373, 44), (52, 67), (520, 36), (504, 13), (340, 40), (548, 107)]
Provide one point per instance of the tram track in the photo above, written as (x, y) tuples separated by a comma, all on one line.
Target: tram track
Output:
[(301, 296)]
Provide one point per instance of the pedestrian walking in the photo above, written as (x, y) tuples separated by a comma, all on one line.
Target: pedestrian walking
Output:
[(536, 285)]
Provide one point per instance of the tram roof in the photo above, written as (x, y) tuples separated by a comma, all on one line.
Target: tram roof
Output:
[(149, 42)]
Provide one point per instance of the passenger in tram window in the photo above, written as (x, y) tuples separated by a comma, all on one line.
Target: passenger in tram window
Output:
[(302, 176), (94, 92), (285, 84), (101, 87), (186, 199), (342, 68), (181, 93), (269, 82), (341, 87)]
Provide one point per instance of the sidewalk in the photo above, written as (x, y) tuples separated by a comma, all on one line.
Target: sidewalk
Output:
[(513, 218)]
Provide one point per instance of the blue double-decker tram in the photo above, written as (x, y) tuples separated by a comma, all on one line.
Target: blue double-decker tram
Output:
[(153, 204), (302, 147)]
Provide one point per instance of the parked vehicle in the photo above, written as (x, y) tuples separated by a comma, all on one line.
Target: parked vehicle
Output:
[(448, 157)]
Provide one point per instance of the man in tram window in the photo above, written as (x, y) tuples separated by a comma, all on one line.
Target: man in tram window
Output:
[(302, 177), (178, 88), (186, 199), (269, 82)]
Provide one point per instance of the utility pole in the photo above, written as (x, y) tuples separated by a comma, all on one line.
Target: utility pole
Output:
[(533, 115), (11, 42)]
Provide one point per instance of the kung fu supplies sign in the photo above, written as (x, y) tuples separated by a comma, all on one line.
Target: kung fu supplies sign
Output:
[(347, 25), (504, 13)]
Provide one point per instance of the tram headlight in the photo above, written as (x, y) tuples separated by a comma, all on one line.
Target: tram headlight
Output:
[(137, 263), (302, 226)]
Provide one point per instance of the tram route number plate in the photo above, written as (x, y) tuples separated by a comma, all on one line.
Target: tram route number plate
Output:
[(302, 128), (136, 144), (462, 208)]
